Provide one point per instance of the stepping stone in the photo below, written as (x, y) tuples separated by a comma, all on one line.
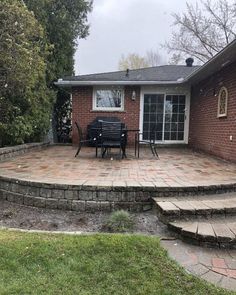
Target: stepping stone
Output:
[(222, 232), (184, 207), (206, 232)]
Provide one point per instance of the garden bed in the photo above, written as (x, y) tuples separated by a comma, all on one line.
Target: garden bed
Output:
[(23, 217)]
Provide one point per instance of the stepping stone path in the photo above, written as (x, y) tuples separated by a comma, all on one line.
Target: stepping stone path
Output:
[(208, 220)]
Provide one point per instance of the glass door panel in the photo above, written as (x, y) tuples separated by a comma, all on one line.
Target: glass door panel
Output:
[(166, 114), (153, 115), (174, 117)]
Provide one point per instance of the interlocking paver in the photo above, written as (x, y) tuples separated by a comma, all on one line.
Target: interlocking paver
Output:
[(221, 271), (184, 207), (222, 232), (190, 230), (232, 273), (176, 167), (218, 263), (228, 283), (216, 207), (200, 207), (205, 262), (212, 277), (205, 231), (168, 208), (198, 269)]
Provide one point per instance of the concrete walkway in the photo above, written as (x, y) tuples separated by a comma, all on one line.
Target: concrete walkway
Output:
[(216, 266)]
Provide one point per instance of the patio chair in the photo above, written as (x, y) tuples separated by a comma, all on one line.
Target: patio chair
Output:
[(151, 142), (112, 135), (83, 141)]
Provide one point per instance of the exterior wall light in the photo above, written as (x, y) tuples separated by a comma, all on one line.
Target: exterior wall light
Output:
[(133, 97)]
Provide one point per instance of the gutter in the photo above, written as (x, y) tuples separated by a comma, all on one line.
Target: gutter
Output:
[(212, 60), (182, 81), (63, 83)]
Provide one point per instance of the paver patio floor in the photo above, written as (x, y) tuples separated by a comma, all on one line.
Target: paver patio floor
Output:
[(175, 168), (217, 266)]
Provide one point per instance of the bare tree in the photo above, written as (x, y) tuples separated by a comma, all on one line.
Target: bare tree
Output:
[(153, 58), (204, 30), (135, 61), (132, 61)]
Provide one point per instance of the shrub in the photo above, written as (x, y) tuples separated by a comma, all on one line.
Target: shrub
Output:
[(119, 221)]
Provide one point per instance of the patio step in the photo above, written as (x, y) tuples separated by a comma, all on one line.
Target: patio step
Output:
[(207, 220), (179, 208), (216, 232)]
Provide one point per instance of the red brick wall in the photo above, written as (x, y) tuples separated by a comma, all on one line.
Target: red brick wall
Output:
[(82, 110), (208, 132)]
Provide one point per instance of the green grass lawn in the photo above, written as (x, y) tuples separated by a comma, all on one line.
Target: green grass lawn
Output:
[(96, 264)]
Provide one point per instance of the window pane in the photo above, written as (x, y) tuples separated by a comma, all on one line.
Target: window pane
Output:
[(173, 135), (181, 127), (167, 127), (153, 108), (180, 136), (181, 108), (175, 99), (146, 118), (182, 99), (108, 98), (167, 136), (181, 118), (174, 127)]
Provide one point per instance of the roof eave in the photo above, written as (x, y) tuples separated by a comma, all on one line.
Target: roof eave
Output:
[(212, 63), (94, 83)]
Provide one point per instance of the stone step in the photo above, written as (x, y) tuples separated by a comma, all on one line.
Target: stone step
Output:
[(214, 232), (170, 209)]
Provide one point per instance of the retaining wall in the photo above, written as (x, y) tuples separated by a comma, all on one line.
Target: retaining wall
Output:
[(10, 152)]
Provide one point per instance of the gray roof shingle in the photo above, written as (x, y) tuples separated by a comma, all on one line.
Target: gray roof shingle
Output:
[(160, 73)]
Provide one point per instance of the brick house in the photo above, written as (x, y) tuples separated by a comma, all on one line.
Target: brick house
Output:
[(190, 105)]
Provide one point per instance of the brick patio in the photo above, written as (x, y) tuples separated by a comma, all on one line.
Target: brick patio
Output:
[(175, 168)]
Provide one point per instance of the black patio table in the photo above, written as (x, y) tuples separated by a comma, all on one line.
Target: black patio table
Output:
[(124, 130)]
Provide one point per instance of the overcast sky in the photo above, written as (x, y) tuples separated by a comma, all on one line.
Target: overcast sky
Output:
[(125, 26)]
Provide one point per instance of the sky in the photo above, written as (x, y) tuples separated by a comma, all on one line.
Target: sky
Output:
[(125, 26)]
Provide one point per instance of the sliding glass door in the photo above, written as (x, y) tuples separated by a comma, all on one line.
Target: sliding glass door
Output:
[(165, 114)]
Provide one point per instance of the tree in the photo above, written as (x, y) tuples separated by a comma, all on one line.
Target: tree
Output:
[(64, 22), (153, 58), (135, 61), (132, 61), (203, 31), (25, 100)]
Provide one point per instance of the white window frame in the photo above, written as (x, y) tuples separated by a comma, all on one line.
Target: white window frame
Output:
[(107, 109), (168, 91), (219, 115)]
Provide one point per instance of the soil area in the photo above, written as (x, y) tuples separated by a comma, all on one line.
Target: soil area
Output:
[(17, 216)]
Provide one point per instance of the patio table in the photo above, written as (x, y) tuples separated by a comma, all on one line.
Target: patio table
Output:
[(125, 130)]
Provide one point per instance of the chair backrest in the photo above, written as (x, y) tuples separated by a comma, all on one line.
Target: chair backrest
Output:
[(80, 132), (152, 134), (112, 130)]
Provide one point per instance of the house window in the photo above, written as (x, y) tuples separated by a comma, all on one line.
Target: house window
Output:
[(222, 102), (108, 99)]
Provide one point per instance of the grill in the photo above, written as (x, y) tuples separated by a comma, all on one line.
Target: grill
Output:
[(95, 124)]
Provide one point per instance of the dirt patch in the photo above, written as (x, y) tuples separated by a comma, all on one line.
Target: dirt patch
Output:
[(23, 217)]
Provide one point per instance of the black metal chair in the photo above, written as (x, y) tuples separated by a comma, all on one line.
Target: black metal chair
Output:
[(151, 142), (83, 141), (112, 135)]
